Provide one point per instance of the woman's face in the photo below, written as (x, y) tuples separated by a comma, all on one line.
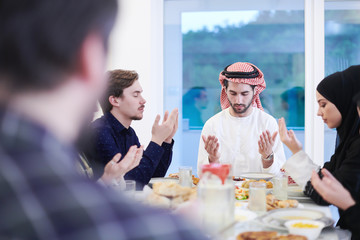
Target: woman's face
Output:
[(328, 112)]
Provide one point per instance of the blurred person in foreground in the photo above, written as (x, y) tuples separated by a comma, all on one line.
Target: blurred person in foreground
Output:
[(334, 95), (52, 64), (121, 104), (242, 134)]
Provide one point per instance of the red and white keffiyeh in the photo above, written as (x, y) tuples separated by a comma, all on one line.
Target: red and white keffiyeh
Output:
[(243, 67)]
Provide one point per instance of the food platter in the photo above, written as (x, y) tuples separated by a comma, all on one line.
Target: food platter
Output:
[(257, 175), (295, 191), (163, 179), (273, 218)]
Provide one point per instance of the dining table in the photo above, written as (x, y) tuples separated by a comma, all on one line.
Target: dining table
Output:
[(246, 220), (329, 233)]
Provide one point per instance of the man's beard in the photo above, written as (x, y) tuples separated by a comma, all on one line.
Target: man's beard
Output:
[(136, 118), (246, 107)]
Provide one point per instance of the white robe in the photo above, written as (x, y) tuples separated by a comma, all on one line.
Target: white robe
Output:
[(238, 139), (300, 160)]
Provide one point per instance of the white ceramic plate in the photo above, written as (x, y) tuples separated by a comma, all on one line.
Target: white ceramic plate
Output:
[(257, 176), (283, 215), (242, 215), (269, 221)]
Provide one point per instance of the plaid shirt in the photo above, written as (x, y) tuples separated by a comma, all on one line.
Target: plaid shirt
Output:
[(43, 197)]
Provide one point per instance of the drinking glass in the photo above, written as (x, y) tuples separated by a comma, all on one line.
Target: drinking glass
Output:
[(185, 176), (129, 187), (217, 203), (280, 187), (257, 197)]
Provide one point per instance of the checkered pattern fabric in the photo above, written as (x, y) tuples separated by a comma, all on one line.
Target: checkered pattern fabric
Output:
[(43, 197), (259, 82)]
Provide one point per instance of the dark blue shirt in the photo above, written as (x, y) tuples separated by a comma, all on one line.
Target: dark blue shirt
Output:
[(111, 137), (43, 197)]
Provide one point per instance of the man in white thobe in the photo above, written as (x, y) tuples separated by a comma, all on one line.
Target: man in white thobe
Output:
[(242, 134)]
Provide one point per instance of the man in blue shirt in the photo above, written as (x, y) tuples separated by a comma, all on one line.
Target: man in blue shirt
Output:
[(123, 103)]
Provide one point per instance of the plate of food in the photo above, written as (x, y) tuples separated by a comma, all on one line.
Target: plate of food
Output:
[(163, 179), (241, 194), (257, 176), (277, 218), (176, 176), (295, 191), (273, 203), (268, 235), (246, 184)]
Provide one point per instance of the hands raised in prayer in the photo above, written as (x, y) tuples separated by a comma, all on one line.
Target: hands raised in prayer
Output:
[(332, 190), (167, 129), (175, 126), (289, 137), (266, 143), (211, 145), (115, 170)]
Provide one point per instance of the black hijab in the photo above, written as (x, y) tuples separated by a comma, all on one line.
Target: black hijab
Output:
[(340, 88)]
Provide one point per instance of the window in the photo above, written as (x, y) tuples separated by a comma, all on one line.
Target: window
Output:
[(202, 37), (342, 49)]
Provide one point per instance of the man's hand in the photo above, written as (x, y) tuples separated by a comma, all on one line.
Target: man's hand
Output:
[(116, 170), (332, 190), (266, 143), (211, 145), (175, 127), (166, 129), (288, 137)]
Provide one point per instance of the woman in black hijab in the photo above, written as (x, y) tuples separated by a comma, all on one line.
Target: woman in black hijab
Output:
[(340, 89), (335, 97)]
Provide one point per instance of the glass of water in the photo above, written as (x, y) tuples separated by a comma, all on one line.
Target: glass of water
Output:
[(217, 203), (185, 176), (280, 187), (257, 197)]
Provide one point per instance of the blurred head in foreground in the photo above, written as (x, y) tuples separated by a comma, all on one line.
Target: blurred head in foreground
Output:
[(52, 59)]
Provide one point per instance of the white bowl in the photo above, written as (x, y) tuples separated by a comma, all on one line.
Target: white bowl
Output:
[(287, 214), (310, 233)]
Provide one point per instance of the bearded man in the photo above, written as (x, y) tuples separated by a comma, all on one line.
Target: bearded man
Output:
[(242, 134), (123, 103)]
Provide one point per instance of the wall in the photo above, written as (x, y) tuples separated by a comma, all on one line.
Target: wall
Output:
[(136, 44)]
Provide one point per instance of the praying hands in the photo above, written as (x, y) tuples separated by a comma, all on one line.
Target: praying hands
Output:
[(165, 131), (289, 137), (212, 148), (116, 169), (266, 143)]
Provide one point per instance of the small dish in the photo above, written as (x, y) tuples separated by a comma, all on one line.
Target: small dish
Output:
[(308, 228)]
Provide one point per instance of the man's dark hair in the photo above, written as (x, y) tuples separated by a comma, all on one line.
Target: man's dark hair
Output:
[(118, 81), (40, 39), (226, 84)]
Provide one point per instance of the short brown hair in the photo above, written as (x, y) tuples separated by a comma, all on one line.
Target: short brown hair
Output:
[(118, 80)]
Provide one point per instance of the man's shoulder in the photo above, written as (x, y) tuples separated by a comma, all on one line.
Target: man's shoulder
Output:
[(264, 115), (100, 124), (217, 116)]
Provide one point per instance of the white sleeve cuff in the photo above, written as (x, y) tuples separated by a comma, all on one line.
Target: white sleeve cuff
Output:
[(299, 166)]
